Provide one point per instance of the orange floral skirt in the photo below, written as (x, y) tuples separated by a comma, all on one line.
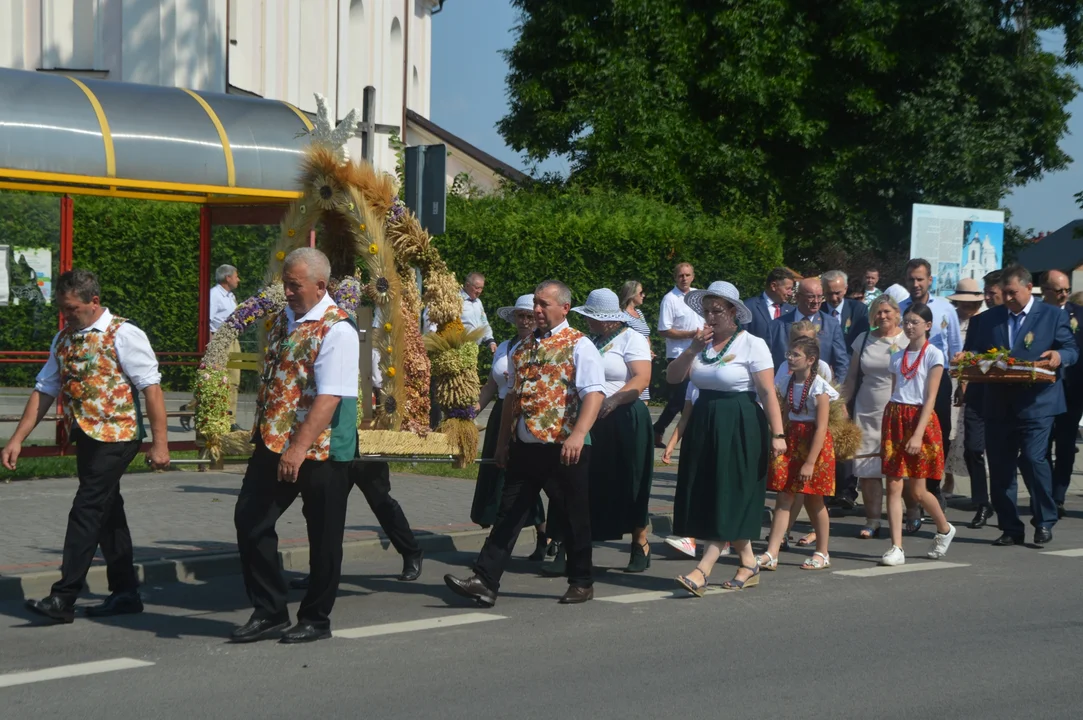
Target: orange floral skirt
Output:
[(784, 474), (896, 430)]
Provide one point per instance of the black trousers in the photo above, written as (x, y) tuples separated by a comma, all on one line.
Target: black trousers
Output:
[(675, 393), (942, 407), (532, 467), (373, 479), (97, 518), (1062, 443), (324, 487), (974, 454)]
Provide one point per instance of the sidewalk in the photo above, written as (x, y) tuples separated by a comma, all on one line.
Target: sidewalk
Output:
[(182, 525)]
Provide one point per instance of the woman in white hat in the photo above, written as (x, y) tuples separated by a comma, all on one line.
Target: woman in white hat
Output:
[(622, 464), (485, 509), (722, 475)]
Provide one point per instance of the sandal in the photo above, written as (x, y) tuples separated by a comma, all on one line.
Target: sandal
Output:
[(685, 582), (872, 530), (818, 561), (770, 564), (785, 547), (736, 584), (807, 540), (912, 526)]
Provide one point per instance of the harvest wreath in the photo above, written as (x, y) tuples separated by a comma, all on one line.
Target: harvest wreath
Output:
[(996, 365), (374, 243)]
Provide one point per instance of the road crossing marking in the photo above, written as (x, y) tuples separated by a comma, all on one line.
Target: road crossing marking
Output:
[(885, 570), (1076, 552), (415, 625), (67, 671), (640, 597)]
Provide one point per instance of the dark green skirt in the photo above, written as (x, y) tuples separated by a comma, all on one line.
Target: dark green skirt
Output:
[(722, 476), (621, 469), (485, 509)]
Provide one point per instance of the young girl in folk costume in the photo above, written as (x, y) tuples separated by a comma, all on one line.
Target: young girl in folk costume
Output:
[(912, 444), (807, 468)]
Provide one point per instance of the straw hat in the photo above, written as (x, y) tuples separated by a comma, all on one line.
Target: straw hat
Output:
[(603, 305), (719, 289), (967, 290), (525, 302)]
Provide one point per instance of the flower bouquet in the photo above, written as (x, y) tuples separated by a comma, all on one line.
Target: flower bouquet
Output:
[(996, 365)]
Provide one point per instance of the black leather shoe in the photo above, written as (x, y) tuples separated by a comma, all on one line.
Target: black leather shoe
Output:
[(1008, 539), (300, 583), (982, 517), (576, 595), (471, 588), (559, 565), (1043, 536), (259, 629), (1061, 512), (303, 633), (411, 567), (125, 603), (539, 549), (53, 607)]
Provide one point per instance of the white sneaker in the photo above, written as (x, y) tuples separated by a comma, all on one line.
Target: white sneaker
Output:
[(941, 543), (894, 556), (685, 545)]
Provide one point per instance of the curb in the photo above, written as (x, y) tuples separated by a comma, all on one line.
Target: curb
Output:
[(195, 569)]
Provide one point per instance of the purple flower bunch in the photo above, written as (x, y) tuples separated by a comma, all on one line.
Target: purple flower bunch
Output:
[(397, 211), (468, 413), (348, 294), (259, 305)]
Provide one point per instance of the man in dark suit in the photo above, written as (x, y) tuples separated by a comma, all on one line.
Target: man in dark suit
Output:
[(852, 315), (773, 303), (1019, 417), (832, 346), (1062, 445)]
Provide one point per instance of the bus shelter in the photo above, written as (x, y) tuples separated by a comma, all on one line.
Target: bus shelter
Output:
[(234, 156)]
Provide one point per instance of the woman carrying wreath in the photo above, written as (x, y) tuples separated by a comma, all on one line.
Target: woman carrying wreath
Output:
[(485, 509), (623, 463)]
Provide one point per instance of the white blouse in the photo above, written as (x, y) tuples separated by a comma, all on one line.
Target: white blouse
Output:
[(746, 356), (627, 347), (820, 386), (499, 374), (912, 391)]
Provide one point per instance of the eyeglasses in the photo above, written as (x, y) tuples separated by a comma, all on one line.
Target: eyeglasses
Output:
[(1059, 291), (714, 311), (913, 323), (793, 355), (814, 298)]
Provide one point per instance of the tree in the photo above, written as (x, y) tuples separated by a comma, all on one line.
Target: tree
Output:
[(836, 114)]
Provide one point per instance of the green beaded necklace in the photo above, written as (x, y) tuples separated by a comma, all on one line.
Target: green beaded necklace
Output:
[(720, 357)]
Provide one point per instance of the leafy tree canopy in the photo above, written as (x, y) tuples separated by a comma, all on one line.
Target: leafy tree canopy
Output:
[(836, 114)]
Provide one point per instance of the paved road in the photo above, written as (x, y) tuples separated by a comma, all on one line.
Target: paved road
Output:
[(991, 633)]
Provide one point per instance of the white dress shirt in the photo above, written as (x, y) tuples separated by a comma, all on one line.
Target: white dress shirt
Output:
[(1015, 322), (134, 353), (223, 303), (771, 305), (589, 374), (945, 334), (474, 317), (676, 315), (336, 368)]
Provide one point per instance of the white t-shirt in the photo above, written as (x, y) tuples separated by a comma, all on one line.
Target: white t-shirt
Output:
[(500, 374), (750, 355), (912, 392), (823, 370), (222, 305), (627, 347), (676, 315), (820, 386), (336, 366)]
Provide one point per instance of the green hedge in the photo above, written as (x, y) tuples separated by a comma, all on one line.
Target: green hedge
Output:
[(592, 239)]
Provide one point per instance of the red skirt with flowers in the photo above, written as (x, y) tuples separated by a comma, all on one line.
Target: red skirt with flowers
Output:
[(784, 475), (896, 430)]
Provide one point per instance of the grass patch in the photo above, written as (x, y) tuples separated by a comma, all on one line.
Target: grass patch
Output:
[(470, 472)]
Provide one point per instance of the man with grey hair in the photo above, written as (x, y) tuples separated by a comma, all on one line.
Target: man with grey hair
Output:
[(553, 403), (474, 316), (306, 437), (852, 315), (222, 305)]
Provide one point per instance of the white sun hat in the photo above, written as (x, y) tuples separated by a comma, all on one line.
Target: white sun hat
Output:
[(525, 302), (898, 293), (719, 289), (603, 305)]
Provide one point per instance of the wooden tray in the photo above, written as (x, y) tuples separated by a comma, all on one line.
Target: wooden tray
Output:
[(1019, 374)]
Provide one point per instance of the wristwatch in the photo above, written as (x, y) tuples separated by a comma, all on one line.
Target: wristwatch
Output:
[(779, 437)]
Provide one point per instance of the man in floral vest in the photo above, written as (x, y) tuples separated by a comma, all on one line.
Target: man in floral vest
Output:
[(558, 390), (305, 437), (98, 364)]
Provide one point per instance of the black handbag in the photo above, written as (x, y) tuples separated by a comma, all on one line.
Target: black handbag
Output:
[(852, 401)]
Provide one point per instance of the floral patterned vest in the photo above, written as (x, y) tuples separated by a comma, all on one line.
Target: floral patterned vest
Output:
[(288, 390), (94, 390), (545, 373)]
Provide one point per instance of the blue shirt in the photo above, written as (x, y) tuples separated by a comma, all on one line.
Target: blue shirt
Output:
[(945, 334), (474, 317)]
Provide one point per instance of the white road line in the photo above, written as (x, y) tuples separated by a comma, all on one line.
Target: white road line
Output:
[(917, 567), (415, 625), (640, 596), (67, 671), (1077, 552)]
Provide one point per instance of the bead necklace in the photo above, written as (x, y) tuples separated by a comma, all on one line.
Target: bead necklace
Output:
[(804, 392), (721, 356), (603, 342), (908, 372)]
